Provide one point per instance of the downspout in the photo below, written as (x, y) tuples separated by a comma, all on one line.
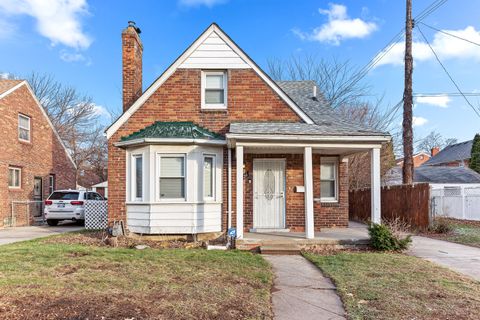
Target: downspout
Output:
[(229, 213)]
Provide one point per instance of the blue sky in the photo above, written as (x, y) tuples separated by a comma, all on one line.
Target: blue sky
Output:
[(78, 42)]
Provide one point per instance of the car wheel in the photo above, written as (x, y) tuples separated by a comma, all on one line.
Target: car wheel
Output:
[(51, 222), (80, 222)]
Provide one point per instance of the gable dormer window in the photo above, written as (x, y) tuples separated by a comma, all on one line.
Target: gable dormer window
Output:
[(214, 90)]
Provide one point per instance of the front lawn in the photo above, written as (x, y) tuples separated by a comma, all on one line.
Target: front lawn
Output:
[(396, 286), (462, 231), (47, 279)]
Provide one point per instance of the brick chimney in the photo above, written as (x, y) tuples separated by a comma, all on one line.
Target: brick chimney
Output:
[(132, 51), (434, 151)]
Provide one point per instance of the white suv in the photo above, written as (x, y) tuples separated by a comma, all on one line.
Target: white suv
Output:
[(68, 205)]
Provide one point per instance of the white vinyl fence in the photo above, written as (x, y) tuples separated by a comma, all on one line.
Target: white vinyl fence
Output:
[(96, 214), (457, 202)]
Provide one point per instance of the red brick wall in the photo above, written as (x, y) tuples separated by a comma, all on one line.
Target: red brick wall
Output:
[(178, 99), (325, 214), (43, 156)]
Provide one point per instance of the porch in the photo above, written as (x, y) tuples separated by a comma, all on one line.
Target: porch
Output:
[(355, 235), (292, 187)]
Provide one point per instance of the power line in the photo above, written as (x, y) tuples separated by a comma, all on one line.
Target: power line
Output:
[(450, 34), (448, 74), (383, 52), (449, 94)]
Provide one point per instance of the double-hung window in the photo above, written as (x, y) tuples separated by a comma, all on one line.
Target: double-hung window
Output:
[(137, 170), (172, 177), (14, 178), (23, 128), (51, 183), (329, 180), (209, 177), (214, 90)]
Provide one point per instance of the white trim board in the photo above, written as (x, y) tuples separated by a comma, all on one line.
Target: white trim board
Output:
[(213, 28), (24, 82)]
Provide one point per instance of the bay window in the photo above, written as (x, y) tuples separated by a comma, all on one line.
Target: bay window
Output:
[(137, 169), (172, 177), (209, 176)]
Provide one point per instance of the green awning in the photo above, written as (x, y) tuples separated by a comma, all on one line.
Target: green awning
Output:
[(179, 130)]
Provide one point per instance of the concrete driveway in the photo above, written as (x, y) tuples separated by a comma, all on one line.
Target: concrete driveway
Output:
[(463, 259), (11, 235)]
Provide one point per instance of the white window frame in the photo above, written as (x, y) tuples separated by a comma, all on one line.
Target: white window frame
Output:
[(161, 155), (214, 106), (19, 177), (51, 184), (28, 129), (334, 161), (213, 176), (133, 188)]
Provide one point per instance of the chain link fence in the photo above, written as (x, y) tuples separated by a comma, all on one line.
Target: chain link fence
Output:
[(25, 213)]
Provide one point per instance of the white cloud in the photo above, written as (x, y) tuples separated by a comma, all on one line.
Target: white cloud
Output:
[(71, 56), (339, 27), (441, 101), (101, 111), (419, 121), (446, 47), (57, 20), (197, 3)]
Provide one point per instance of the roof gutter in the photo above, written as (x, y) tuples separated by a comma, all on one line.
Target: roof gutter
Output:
[(143, 141)]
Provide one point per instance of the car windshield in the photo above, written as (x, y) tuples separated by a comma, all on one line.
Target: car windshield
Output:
[(64, 195)]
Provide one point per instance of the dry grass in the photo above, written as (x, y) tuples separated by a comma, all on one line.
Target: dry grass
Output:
[(57, 278), (460, 231), (396, 286)]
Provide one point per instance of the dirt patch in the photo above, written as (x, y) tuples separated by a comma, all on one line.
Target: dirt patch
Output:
[(102, 239)]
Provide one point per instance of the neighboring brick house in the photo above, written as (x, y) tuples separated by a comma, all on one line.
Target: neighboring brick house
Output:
[(454, 155), (174, 152), (33, 159), (418, 159)]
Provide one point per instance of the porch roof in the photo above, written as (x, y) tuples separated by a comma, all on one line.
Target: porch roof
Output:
[(326, 128)]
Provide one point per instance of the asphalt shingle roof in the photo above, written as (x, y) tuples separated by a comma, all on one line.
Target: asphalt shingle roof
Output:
[(7, 84), (182, 129), (454, 152), (434, 174), (327, 121)]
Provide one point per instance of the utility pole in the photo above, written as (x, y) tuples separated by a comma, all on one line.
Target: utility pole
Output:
[(408, 101)]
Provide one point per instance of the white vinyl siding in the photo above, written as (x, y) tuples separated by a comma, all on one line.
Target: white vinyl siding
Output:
[(14, 178), (137, 173), (329, 180), (214, 89), (209, 177), (172, 177), (23, 128)]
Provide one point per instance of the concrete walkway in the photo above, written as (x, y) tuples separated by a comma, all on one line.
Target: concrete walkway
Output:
[(11, 235), (463, 259), (301, 291)]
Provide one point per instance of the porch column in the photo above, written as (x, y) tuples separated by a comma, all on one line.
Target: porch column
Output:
[(375, 185), (239, 191), (308, 181)]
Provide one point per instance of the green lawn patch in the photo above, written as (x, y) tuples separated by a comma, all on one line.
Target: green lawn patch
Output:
[(462, 231), (396, 286), (46, 280)]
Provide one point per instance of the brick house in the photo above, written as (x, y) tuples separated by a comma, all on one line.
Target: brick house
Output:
[(33, 159), (418, 159), (215, 143), (454, 155)]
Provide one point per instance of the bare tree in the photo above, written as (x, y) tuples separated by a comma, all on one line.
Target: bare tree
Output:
[(333, 77), (73, 116), (432, 140)]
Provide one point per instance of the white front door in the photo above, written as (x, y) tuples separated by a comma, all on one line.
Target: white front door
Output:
[(269, 193)]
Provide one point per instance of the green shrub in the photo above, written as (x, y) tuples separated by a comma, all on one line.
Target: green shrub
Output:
[(382, 238)]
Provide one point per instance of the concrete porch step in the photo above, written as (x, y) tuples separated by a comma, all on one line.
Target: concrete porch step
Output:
[(280, 250)]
